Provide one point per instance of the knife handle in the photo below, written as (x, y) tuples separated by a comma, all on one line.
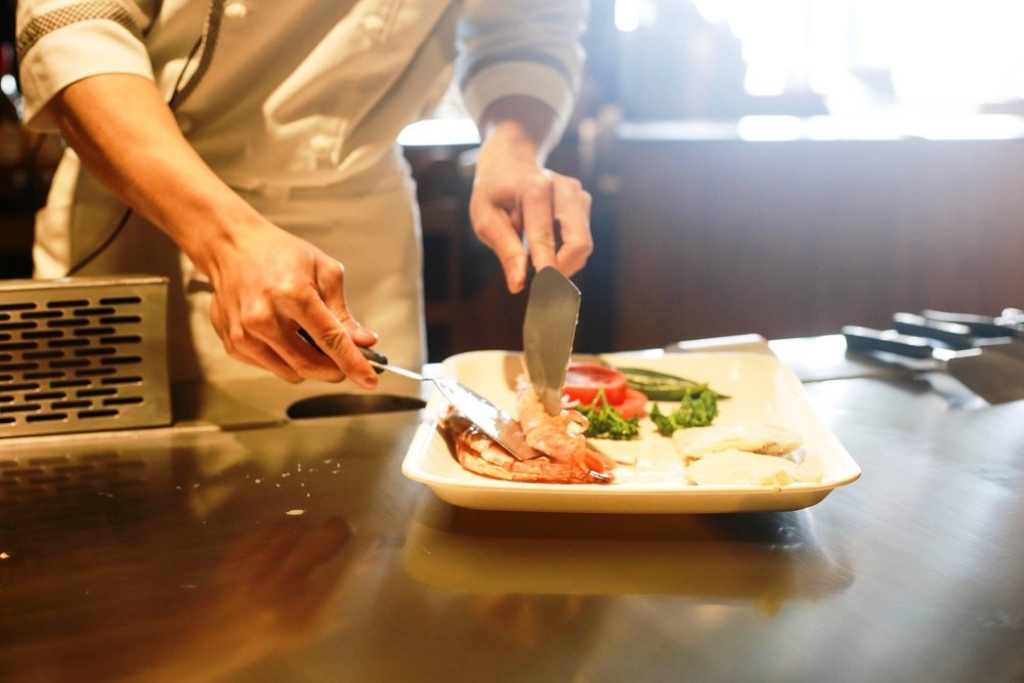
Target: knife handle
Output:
[(868, 339), (979, 325), (374, 356), (368, 354), (953, 335)]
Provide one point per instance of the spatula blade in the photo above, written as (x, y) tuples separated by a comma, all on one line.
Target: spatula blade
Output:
[(552, 312), (490, 418)]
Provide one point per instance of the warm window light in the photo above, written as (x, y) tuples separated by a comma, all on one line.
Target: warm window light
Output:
[(932, 56), (770, 128), (627, 15), (991, 127)]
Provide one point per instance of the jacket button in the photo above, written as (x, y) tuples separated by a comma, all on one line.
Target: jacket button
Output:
[(236, 10)]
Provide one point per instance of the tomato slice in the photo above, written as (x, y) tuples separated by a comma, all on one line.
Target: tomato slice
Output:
[(635, 403), (583, 381)]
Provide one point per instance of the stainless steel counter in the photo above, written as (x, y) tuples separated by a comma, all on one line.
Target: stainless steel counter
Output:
[(244, 546)]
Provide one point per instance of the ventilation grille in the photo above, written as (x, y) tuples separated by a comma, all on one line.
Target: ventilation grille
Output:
[(82, 354)]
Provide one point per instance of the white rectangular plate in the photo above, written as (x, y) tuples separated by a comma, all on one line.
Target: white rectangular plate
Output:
[(761, 389)]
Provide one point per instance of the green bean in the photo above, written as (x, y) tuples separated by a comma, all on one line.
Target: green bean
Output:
[(661, 386)]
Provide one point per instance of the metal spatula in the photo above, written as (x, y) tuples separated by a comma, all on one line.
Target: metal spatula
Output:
[(491, 419), (552, 311)]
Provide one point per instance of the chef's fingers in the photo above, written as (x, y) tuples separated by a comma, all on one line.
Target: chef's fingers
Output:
[(264, 331), (538, 206), (338, 335), (334, 342), (241, 346), (496, 229), (330, 280), (330, 353), (572, 220)]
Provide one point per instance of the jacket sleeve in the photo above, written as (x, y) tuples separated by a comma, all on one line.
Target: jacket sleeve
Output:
[(528, 47), (63, 41)]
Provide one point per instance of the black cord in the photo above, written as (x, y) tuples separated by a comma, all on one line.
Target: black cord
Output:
[(99, 249), (91, 256)]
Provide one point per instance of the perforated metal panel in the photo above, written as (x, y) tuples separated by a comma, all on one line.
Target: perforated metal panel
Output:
[(83, 354)]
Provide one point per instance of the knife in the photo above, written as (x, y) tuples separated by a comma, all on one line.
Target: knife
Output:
[(951, 334), (552, 311), (997, 378), (979, 325), (1007, 324), (962, 331)]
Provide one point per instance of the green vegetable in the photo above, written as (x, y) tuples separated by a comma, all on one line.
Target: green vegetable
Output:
[(661, 386), (697, 408), (606, 422)]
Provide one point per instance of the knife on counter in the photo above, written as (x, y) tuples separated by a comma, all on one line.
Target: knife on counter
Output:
[(959, 331), (1009, 323), (979, 326), (996, 377), (552, 311)]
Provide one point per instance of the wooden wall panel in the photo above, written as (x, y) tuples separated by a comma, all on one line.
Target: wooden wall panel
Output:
[(798, 238)]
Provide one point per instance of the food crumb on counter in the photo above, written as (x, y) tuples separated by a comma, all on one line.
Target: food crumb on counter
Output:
[(295, 513)]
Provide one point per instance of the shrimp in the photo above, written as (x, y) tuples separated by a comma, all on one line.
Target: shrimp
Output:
[(561, 436), (478, 453)]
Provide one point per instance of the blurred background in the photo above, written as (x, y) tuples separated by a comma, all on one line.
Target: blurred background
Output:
[(782, 167)]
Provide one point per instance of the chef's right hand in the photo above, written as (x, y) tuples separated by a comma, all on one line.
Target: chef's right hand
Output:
[(267, 286)]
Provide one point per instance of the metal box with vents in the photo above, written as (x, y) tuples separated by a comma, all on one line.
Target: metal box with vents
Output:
[(83, 354)]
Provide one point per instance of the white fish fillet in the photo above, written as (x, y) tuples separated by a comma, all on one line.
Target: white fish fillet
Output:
[(696, 442), (740, 468)]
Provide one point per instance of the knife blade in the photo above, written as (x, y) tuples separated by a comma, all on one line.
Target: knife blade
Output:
[(549, 328)]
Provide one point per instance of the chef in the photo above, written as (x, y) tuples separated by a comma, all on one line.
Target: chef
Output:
[(246, 149)]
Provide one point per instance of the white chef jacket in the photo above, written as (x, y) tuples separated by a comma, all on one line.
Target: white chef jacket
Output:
[(297, 105)]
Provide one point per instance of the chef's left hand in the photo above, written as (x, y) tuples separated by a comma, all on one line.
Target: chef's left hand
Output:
[(514, 198)]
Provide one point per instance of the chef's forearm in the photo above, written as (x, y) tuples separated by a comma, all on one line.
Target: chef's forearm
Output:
[(128, 138)]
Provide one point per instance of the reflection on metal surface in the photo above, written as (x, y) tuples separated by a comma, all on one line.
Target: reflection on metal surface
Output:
[(767, 559), (337, 405), (66, 482), (177, 557), (201, 614), (201, 571)]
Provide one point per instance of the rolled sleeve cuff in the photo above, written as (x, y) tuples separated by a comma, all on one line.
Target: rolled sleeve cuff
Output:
[(60, 58), (518, 78)]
